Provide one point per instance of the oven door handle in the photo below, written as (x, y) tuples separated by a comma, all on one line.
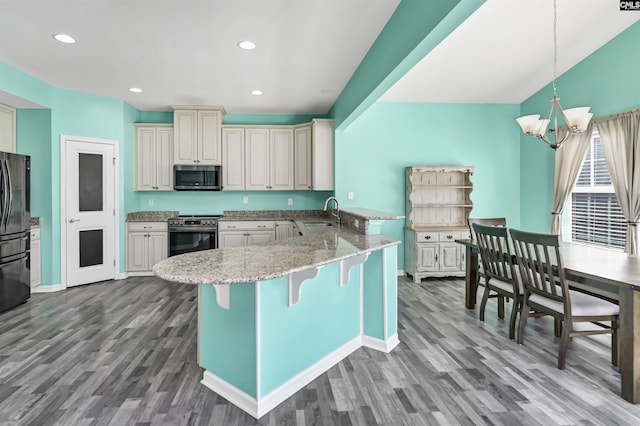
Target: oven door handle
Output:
[(192, 230)]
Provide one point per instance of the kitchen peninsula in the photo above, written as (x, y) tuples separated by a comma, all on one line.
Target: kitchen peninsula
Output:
[(274, 316)]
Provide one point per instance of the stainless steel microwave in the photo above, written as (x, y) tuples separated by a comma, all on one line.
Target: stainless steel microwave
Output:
[(197, 178)]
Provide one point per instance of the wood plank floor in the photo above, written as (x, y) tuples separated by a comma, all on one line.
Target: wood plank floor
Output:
[(124, 353)]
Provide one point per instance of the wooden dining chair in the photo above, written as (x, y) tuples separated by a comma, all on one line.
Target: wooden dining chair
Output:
[(488, 221), (546, 289), (500, 275)]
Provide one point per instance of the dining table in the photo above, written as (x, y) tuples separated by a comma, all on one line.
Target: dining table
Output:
[(610, 274)]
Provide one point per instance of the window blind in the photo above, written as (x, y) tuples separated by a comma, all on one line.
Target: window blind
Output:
[(596, 217)]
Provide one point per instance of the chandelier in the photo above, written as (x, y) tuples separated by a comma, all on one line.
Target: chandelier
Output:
[(576, 119)]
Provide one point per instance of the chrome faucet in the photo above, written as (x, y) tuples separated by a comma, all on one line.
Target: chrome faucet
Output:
[(335, 213)]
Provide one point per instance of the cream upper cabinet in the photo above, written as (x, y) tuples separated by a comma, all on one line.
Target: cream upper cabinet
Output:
[(257, 158), (314, 162), (7, 128), (302, 155), (232, 159), (153, 157), (280, 159), (322, 155), (197, 137)]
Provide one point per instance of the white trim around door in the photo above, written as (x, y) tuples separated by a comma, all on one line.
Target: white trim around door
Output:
[(64, 141)]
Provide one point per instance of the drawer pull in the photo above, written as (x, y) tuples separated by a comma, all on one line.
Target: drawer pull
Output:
[(427, 237), (449, 237)]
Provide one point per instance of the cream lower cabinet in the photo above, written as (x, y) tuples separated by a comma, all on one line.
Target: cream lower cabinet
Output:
[(147, 244), (243, 233), (154, 157), (35, 258), (434, 254), (286, 229)]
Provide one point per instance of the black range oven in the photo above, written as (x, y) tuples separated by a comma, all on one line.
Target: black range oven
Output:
[(192, 233)]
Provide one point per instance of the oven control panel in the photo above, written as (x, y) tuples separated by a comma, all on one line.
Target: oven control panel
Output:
[(205, 221)]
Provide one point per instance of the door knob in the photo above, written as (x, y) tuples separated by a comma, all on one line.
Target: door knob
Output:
[(74, 220)]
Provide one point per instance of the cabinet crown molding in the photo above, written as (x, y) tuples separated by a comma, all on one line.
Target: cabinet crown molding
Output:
[(199, 107)]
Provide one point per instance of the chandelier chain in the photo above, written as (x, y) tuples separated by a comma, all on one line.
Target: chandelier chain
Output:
[(555, 47)]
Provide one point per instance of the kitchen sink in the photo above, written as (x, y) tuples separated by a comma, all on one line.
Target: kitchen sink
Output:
[(317, 223)]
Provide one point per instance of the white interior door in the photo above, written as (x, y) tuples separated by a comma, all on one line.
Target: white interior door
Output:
[(89, 211)]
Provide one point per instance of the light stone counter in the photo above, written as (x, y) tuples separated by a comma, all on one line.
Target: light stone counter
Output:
[(35, 222), (150, 216), (317, 246)]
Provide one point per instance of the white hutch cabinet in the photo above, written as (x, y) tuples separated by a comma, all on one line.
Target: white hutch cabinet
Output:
[(438, 205)]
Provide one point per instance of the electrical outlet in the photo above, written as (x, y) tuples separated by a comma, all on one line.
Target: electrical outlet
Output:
[(151, 202), (290, 201), (350, 195), (245, 200)]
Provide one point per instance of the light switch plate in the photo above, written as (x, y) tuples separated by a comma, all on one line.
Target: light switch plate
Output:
[(350, 195), (290, 201), (245, 200)]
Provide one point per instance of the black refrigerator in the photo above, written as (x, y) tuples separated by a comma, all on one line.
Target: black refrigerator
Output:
[(15, 227)]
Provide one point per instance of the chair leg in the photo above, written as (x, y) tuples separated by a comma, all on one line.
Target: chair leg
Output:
[(514, 315), (500, 306), (564, 343), (485, 297), (615, 344), (524, 314), (557, 327)]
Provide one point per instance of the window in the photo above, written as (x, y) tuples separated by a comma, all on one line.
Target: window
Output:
[(592, 214)]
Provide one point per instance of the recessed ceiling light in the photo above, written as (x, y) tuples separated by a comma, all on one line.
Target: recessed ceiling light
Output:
[(64, 38), (247, 45), (256, 92), (135, 90)]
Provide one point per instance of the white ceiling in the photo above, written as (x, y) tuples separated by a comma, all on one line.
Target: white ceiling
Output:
[(183, 52), (503, 53)]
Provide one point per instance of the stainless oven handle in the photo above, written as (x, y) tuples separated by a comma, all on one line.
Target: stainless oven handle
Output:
[(185, 229)]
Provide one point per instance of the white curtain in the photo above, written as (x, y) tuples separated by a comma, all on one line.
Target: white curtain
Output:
[(568, 162), (620, 135)]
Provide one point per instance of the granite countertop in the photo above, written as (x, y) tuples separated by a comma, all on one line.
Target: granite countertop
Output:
[(35, 222), (316, 247), (150, 216), (371, 214)]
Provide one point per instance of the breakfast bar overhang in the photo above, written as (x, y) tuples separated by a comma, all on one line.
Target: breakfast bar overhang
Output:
[(273, 317)]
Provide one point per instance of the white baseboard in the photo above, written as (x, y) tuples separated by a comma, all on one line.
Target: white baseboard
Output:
[(259, 407), (385, 346), (400, 273), (122, 276), (47, 288)]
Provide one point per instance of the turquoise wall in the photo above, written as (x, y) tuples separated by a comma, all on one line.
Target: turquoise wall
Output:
[(607, 82), (371, 156), (33, 138), (414, 29)]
